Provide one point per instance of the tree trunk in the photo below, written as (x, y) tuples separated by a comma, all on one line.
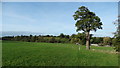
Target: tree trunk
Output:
[(87, 41)]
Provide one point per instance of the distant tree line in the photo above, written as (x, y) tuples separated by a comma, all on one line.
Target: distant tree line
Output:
[(62, 38)]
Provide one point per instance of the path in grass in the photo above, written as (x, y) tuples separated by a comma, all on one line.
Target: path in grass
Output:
[(54, 54)]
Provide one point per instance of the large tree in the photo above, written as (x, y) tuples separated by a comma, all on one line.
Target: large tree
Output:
[(86, 21)]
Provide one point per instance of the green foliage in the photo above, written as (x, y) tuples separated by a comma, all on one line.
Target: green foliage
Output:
[(78, 38), (16, 53), (116, 43), (101, 44), (82, 38), (107, 41), (62, 35), (96, 40), (75, 40), (86, 20), (64, 40), (116, 40)]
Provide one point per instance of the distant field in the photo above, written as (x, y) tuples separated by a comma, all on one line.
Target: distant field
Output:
[(55, 54)]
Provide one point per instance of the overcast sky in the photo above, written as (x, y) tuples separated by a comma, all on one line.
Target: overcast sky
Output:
[(54, 17)]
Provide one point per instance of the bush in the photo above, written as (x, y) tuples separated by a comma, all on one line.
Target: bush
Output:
[(116, 44), (101, 44)]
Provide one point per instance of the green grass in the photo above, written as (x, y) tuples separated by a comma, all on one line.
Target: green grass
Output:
[(55, 54), (0, 53)]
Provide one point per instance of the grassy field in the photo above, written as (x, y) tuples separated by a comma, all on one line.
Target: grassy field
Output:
[(55, 54)]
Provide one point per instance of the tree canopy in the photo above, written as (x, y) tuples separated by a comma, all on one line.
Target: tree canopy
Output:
[(86, 20)]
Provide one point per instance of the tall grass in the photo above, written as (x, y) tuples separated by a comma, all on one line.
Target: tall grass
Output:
[(55, 54)]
